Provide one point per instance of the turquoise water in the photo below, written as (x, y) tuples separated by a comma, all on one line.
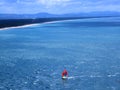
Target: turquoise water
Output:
[(32, 58)]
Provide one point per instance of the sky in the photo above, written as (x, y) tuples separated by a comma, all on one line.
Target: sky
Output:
[(57, 6)]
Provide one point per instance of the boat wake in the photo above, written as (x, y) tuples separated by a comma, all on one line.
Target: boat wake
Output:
[(71, 77), (94, 76)]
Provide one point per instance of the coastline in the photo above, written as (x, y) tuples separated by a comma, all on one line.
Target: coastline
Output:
[(34, 24), (6, 28)]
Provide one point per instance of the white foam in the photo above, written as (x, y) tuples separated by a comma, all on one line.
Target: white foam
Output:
[(94, 76), (71, 77), (84, 76), (113, 75)]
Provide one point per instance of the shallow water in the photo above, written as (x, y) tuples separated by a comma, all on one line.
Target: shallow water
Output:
[(32, 58)]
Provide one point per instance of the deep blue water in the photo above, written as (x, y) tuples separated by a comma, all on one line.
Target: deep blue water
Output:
[(32, 58)]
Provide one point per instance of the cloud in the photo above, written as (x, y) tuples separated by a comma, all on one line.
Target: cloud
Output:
[(1, 3), (51, 3), (58, 6)]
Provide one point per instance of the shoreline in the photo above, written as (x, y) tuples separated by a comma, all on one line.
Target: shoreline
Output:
[(34, 24)]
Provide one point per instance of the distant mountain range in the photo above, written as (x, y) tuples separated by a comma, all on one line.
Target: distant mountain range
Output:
[(47, 15)]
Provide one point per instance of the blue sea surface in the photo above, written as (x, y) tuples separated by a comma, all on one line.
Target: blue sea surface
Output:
[(33, 58)]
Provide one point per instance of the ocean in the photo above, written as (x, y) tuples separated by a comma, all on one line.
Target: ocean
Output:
[(33, 57)]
